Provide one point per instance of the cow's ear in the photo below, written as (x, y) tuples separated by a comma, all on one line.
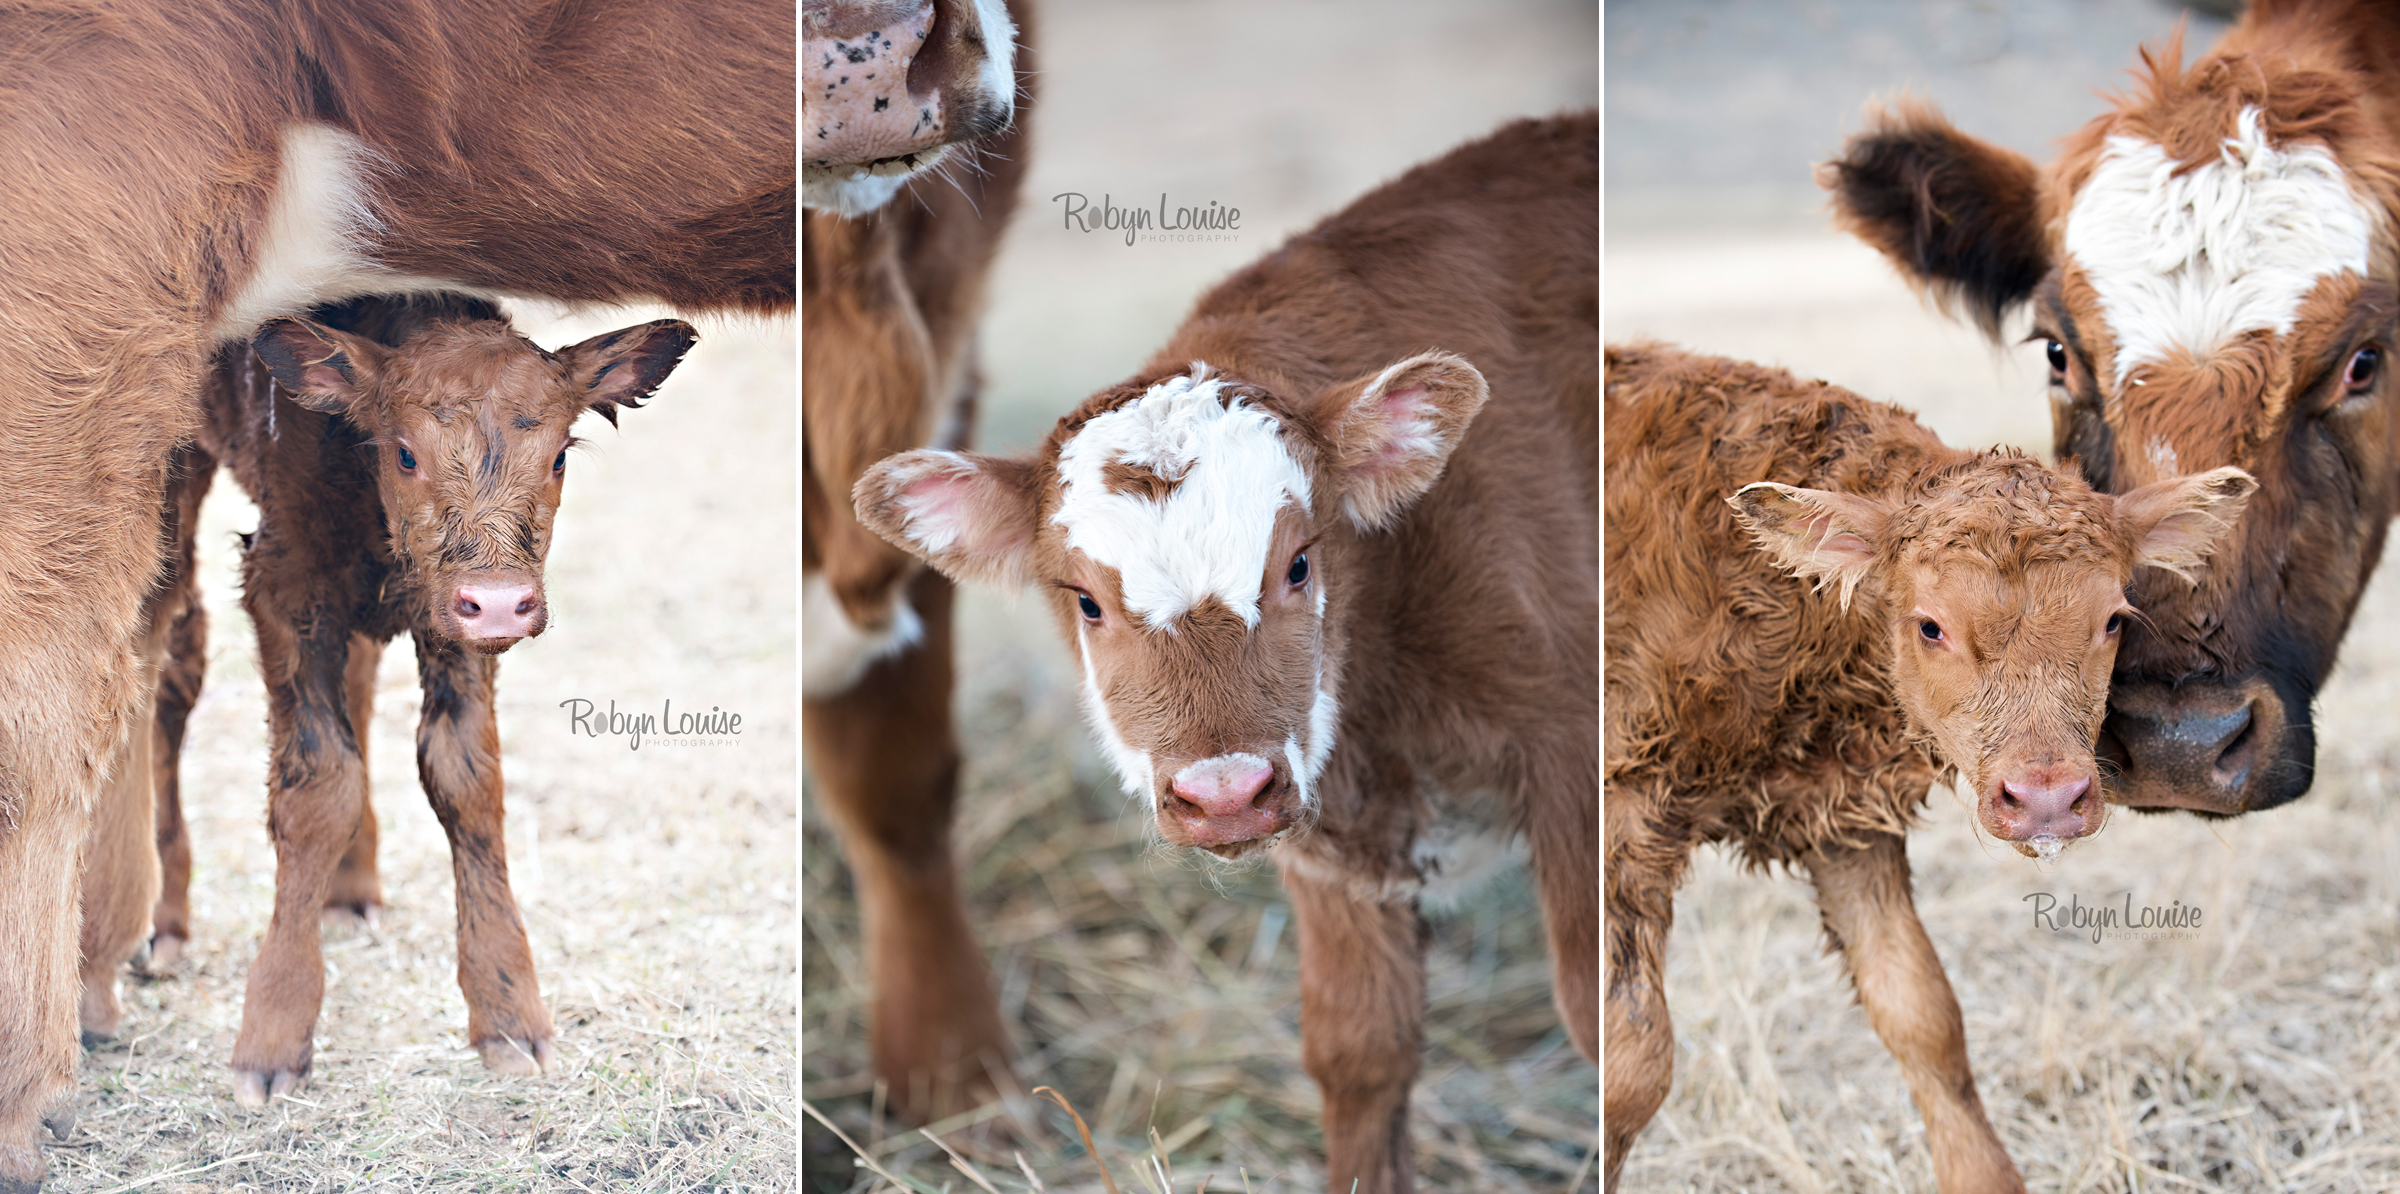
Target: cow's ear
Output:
[(1960, 217), (1814, 534), (969, 515), (319, 368), (2176, 524), (1392, 432), (621, 368)]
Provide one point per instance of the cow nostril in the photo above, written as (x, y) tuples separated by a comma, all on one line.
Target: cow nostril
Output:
[(525, 607), (467, 607), (2009, 797)]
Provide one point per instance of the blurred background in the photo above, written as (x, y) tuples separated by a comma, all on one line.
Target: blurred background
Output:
[(1156, 1001), (2251, 1054)]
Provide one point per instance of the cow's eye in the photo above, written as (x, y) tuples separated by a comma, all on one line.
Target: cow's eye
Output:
[(1298, 576), (408, 461), (2057, 353), (1931, 629), (2116, 622), (2363, 366), (559, 465), (1090, 608)]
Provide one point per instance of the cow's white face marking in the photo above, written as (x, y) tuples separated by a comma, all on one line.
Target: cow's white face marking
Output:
[(1133, 766), (1210, 536), (2188, 262), (319, 238)]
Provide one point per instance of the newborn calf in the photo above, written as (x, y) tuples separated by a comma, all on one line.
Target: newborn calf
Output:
[(407, 457), (1815, 609)]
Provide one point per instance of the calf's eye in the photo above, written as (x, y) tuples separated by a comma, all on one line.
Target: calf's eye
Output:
[(1931, 629), (2363, 365), (408, 461), (559, 465), (1090, 608), (1298, 576), (2057, 353), (2116, 622)]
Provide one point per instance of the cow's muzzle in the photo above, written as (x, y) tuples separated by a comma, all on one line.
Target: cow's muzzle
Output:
[(2218, 748)]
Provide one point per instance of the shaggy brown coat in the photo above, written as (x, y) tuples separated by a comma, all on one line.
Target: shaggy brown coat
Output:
[(1450, 542), (602, 152), (1816, 609)]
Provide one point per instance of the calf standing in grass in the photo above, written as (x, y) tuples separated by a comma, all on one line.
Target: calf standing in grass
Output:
[(1322, 604), (1815, 610), (407, 457)]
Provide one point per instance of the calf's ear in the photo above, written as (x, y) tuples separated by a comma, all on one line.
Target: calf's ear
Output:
[(970, 516), (1814, 534), (319, 368), (2176, 524), (621, 368), (1960, 217), (1394, 431)]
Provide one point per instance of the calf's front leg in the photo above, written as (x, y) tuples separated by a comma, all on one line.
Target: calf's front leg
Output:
[(356, 892), (1644, 863), (1869, 912), (458, 758), (1362, 1027)]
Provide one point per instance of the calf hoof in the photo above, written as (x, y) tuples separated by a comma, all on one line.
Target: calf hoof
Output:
[(253, 1088), (60, 1120), (97, 1013), (510, 1055), (355, 915), (166, 949)]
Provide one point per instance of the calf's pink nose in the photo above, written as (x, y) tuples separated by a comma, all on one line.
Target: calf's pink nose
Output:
[(497, 611), (2046, 805), (1223, 787)]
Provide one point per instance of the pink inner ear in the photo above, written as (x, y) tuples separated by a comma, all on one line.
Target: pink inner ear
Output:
[(1409, 429), (322, 378)]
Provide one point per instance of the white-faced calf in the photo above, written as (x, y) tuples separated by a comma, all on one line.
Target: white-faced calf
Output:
[(407, 456), (1816, 609), (1327, 567)]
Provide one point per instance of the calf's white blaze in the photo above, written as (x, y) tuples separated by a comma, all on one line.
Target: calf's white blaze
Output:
[(1133, 766), (1208, 538), (2188, 262)]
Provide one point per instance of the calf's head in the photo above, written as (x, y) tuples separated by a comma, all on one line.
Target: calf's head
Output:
[(1187, 530), (2211, 272), (469, 425), (2001, 585)]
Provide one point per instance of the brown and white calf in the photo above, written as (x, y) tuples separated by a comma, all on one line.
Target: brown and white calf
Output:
[(407, 456), (897, 241), (1327, 565), (2214, 268), (181, 172), (1815, 610)]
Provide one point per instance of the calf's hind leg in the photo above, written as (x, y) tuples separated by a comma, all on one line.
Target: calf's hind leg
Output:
[(1870, 913), (458, 758), (1643, 866), (356, 891)]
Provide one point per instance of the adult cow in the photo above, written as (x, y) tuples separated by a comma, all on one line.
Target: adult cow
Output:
[(178, 173), (2212, 267), (913, 153)]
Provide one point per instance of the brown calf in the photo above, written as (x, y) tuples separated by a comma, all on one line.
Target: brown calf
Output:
[(1816, 610), (181, 172), (895, 248), (407, 457), (2213, 268), (1327, 563)]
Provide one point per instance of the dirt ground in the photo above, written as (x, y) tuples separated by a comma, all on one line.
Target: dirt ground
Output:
[(1151, 999), (2252, 1053), (657, 884)]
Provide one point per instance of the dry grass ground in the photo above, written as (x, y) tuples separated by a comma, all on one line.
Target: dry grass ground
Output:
[(657, 885), (1152, 999), (2253, 1053)]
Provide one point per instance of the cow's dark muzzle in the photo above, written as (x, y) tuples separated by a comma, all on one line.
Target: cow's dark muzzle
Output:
[(2212, 748)]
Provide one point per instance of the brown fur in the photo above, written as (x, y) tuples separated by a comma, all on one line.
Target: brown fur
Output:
[(893, 297), (1773, 680), (601, 152), (2217, 682), (1456, 571)]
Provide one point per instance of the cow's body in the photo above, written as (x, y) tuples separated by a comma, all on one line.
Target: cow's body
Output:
[(2215, 269), (180, 172), (893, 271), (1298, 628), (1790, 675)]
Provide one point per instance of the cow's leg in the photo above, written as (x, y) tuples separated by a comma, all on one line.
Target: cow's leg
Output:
[(315, 777), (886, 763), (178, 609), (458, 758), (1870, 914), (1362, 1026), (120, 879), (357, 891), (1563, 833), (1644, 865)]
